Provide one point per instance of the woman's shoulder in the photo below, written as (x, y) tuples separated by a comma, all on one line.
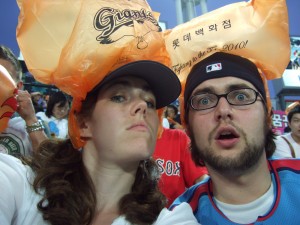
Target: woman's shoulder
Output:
[(180, 215), (121, 221), (42, 116)]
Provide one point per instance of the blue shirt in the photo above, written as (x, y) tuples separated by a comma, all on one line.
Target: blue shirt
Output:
[(285, 209)]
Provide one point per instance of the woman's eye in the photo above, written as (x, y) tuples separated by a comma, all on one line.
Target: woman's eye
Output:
[(151, 104), (118, 98)]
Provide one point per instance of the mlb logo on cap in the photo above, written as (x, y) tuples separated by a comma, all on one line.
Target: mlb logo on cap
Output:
[(213, 67)]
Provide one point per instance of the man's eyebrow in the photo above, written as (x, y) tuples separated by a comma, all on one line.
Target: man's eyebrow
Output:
[(204, 90), (237, 86), (228, 88)]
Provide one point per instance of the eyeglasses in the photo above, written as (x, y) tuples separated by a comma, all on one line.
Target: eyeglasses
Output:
[(238, 97)]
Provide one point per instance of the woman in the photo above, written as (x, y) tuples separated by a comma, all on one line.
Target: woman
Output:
[(113, 179), (55, 117)]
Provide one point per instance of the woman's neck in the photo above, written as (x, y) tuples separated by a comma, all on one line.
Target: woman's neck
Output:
[(111, 182)]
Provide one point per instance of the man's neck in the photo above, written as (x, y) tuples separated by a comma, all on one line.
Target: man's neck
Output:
[(244, 188), (296, 138)]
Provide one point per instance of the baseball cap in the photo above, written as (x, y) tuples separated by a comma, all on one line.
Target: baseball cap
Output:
[(221, 64), (163, 82)]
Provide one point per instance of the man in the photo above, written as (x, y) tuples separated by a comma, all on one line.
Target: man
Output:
[(229, 122), (24, 133), (288, 145), (12, 65), (175, 164)]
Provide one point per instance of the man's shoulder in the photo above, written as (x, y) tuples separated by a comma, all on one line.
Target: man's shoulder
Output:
[(292, 164), (11, 166), (287, 136), (17, 122), (14, 140), (194, 193)]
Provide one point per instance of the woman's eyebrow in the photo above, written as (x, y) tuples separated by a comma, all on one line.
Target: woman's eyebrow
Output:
[(127, 83), (118, 82)]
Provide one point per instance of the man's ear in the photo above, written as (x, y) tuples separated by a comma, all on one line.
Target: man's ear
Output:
[(20, 85), (187, 129)]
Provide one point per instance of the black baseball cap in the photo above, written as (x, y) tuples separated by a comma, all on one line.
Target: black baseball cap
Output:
[(221, 64), (163, 82)]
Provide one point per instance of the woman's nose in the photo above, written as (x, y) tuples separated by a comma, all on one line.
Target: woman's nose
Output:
[(140, 106)]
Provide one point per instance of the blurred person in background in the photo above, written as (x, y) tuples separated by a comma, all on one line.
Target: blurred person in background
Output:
[(56, 115), (173, 157), (24, 132), (171, 113), (288, 145), (39, 103)]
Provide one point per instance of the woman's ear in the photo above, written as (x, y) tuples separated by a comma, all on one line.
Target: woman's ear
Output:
[(84, 127)]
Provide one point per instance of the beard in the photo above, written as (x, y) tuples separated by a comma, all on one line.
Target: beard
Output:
[(245, 160)]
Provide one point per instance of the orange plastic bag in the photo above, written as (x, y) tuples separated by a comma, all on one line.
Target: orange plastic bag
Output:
[(257, 30), (8, 102), (75, 44)]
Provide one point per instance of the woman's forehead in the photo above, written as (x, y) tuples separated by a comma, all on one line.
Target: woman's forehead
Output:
[(128, 81)]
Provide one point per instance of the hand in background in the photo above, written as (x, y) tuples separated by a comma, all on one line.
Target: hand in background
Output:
[(25, 107)]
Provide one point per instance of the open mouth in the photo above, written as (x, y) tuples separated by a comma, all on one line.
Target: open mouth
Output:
[(226, 134), (227, 137)]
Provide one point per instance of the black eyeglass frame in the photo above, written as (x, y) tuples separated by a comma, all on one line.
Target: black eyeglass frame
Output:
[(257, 94)]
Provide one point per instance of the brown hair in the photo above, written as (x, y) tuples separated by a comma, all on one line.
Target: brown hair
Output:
[(68, 193), (7, 54)]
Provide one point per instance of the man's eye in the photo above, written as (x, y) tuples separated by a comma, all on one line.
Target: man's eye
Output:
[(241, 97), (204, 101), (118, 98)]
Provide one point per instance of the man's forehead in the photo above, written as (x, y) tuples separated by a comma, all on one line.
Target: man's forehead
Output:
[(296, 116)]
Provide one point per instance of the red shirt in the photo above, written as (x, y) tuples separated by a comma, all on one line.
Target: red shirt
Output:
[(173, 157)]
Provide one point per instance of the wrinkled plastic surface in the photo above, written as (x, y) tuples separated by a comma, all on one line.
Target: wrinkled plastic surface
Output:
[(257, 30), (74, 44)]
